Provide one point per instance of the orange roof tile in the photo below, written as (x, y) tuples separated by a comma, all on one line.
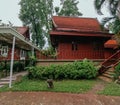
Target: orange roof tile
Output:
[(111, 44)]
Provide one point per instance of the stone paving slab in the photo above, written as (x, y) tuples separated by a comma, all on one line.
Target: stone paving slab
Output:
[(5, 80)]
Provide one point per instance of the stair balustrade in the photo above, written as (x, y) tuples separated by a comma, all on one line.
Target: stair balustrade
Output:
[(112, 61)]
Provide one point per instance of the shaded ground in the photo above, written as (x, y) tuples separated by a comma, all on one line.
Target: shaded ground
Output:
[(52, 98)]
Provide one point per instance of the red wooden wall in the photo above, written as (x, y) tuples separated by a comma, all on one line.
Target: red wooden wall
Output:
[(85, 50), (16, 55)]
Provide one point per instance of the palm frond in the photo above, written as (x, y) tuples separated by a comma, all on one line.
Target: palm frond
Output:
[(98, 5), (106, 20), (113, 6)]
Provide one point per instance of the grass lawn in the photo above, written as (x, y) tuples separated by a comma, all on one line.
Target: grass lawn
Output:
[(71, 86), (112, 89)]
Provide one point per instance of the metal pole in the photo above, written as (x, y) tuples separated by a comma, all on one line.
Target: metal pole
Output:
[(11, 65)]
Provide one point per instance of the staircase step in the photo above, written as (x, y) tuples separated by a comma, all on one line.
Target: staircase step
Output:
[(105, 79), (110, 70), (1, 86), (4, 83), (107, 75), (7, 79)]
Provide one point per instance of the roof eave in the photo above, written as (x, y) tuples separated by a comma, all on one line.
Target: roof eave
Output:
[(13, 32)]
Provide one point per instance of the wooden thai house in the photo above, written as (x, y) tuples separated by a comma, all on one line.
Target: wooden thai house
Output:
[(78, 38)]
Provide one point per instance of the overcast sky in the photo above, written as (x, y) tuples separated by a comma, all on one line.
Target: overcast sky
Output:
[(9, 10)]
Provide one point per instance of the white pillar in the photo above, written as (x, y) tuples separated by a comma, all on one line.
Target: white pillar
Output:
[(32, 51), (12, 59)]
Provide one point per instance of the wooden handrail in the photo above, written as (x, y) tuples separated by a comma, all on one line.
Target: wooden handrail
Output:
[(112, 61), (111, 57)]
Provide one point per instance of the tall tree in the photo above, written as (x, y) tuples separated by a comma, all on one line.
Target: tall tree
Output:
[(114, 9), (69, 8), (112, 5), (37, 14)]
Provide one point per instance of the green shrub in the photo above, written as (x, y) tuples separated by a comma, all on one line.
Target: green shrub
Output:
[(2, 66), (49, 52), (117, 71), (75, 70)]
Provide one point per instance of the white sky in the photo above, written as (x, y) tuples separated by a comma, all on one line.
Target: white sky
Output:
[(9, 10)]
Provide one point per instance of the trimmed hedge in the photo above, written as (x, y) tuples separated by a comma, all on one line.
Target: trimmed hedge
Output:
[(76, 70)]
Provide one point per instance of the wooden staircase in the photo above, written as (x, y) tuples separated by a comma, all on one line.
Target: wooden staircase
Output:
[(5, 81), (106, 70), (107, 75)]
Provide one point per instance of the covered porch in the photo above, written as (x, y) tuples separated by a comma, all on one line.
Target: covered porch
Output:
[(12, 37)]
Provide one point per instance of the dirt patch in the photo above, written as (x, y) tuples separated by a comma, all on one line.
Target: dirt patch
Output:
[(99, 86), (52, 98)]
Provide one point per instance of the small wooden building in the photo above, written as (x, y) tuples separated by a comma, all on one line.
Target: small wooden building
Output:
[(14, 43), (78, 38), (22, 45)]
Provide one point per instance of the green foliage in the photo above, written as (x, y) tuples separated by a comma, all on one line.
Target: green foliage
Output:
[(17, 66), (76, 70), (69, 8), (112, 89), (116, 26), (113, 22), (1, 66), (112, 6), (117, 71), (49, 52), (31, 59), (37, 15)]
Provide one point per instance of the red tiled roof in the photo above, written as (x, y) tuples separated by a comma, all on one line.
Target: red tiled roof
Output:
[(111, 44), (84, 24), (22, 30)]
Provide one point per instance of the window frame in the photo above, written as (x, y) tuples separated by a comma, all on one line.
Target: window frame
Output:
[(74, 46), (4, 51), (22, 54)]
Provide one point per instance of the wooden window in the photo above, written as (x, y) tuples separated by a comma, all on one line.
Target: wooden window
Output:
[(97, 46), (22, 54), (4, 51), (74, 46)]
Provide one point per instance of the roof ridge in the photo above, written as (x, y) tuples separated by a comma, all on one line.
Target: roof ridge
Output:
[(76, 17)]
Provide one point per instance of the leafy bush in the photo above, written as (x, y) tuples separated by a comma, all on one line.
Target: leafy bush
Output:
[(17, 66), (75, 70), (117, 71), (2, 66)]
